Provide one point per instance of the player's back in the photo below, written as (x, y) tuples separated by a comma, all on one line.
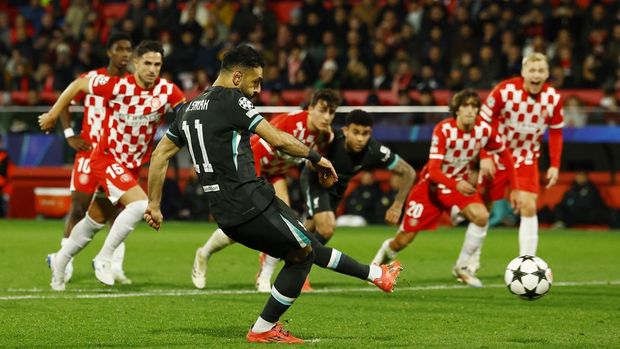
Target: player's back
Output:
[(216, 127)]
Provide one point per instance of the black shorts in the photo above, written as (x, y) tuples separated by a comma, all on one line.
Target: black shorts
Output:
[(276, 231), (318, 198)]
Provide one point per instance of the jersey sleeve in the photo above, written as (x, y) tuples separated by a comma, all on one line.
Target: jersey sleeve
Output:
[(495, 144), (492, 106), (101, 85), (382, 156), (174, 134), (438, 145), (244, 116), (557, 119), (177, 98)]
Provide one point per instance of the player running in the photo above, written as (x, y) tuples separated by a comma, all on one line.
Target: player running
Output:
[(313, 128), (136, 104), (83, 184), (216, 127), (444, 182)]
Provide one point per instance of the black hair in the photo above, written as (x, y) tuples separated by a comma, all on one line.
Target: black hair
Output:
[(461, 98), (358, 117), (149, 46), (242, 56), (116, 37), (329, 96)]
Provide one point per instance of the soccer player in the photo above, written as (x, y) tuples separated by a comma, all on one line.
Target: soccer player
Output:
[(443, 183), (522, 109), (83, 184), (136, 104), (313, 128), (216, 127), (352, 151)]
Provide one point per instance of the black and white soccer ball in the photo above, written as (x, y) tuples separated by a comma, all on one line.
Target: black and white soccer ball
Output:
[(528, 277)]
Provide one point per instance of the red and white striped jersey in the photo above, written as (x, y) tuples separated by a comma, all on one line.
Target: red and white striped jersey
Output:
[(274, 162), (133, 115), (521, 118), (458, 149), (94, 110)]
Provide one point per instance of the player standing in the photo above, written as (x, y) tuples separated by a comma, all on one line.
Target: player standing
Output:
[(456, 143), (522, 109), (216, 127), (83, 185), (136, 104), (313, 128)]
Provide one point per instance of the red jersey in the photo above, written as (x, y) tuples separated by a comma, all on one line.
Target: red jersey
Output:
[(133, 115), (522, 119), (457, 149), (94, 110), (274, 162)]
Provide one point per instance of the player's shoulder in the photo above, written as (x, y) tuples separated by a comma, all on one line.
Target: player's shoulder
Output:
[(549, 89), (513, 83), (445, 125)]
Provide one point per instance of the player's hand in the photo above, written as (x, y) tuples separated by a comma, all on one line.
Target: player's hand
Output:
[(392, 215), (326, 169), (515, 201), (552, 176), (153, 217), (487, 168), (47, 122), (465, 188), (78, 143)]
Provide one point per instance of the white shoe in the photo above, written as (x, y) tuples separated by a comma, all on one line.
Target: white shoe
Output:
[(119, 276), (103, 271), (199, 270), (455, 216), (463, 274), (58, 282), (69, 271), (263, 285)]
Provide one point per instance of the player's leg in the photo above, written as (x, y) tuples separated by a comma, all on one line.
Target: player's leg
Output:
[(528, 186), (80, 237), (109, 212), (478, 217), (268, 263), (390, 247), (217, 241)]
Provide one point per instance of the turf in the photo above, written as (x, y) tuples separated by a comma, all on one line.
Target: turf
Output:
[(427, 310)]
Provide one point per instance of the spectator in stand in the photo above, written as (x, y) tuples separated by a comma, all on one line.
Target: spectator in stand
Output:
[(137, 12), (22, 80), (355, 75), (463, 40), (581, 204), (201, 81), (512, 64), (403, 77), (209, 53), (594, 70), (367, 11), (328, 76), (455, 81), (612, 50), (415, 16), (574, 114), (182, 58), (380, 79), (490, 67), (611, 108), (565, 61), (189, 20), (427, 99), (428, 79), (168, 15), (475, 79)]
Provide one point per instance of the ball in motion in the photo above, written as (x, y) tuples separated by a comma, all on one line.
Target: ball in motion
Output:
[(528, 277)]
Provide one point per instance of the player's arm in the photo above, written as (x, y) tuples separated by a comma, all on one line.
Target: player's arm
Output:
[(292, 146), (47, 121), (164, 151), (75, 141), (556, 142), (407, 174)]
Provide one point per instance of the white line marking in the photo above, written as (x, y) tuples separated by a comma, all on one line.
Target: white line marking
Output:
[(112, 293)]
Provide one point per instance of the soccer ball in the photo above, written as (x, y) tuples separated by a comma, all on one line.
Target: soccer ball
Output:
[(528, 277)]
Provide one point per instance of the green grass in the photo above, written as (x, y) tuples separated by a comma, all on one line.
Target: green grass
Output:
[(427, 310)]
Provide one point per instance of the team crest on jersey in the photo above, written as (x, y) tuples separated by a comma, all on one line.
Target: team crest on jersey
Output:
[(126, 178), (83, 179), (413, 222), (101, 80), (245, 103), (491, 102), (156, 103)]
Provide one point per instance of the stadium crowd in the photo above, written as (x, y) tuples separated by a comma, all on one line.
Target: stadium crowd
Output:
[(395, 45)]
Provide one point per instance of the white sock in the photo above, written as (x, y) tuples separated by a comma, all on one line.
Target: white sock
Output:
[(81, 234), (262, 326), (123, 225), (528, 236), (385, 252), (63, 242), (374, 273), (474, 238), (269, 267), (216, 242), (118, 257)]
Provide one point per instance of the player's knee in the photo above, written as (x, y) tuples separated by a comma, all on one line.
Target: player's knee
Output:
[(78, 209), (528, 208), (481, 218), (303, 255)]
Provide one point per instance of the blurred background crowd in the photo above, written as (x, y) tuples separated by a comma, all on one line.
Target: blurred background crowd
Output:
[(395, 45)]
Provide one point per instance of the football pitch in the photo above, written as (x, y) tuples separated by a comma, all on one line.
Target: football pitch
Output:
[(428, 309)]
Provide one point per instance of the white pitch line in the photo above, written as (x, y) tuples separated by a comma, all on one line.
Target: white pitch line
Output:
[(111, 293)]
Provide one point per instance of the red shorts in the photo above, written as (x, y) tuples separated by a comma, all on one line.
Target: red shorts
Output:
[(82, 179), (527, 180), (113, 177), (426, 203)]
